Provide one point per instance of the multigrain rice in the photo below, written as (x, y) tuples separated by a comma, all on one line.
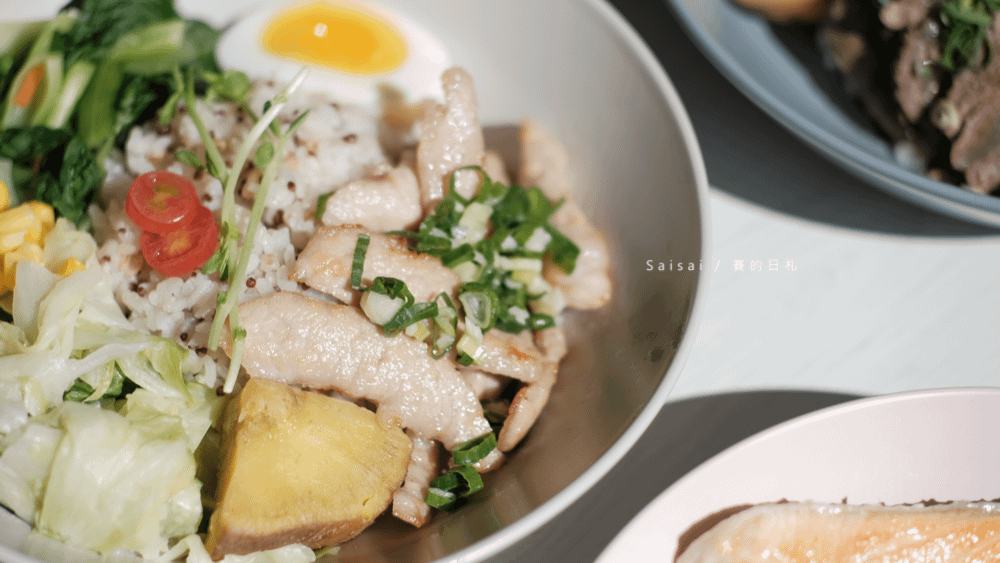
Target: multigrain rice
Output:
[(335, 144)]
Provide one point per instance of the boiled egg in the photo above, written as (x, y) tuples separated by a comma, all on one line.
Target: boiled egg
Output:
[(353, 49)]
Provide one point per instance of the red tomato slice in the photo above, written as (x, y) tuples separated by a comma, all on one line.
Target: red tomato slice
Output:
[(161, 201), (184, 249)]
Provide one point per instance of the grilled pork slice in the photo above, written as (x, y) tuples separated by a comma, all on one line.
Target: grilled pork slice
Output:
[(298, 340), (545, 163), (450, 138), (388, 200), (408, 502), (325, 264), (841, 533)]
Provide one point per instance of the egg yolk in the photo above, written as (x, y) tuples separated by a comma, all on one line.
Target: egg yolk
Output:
[(335, 36)]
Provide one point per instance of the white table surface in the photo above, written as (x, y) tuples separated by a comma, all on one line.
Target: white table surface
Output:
[(838, 309), (884, 297)]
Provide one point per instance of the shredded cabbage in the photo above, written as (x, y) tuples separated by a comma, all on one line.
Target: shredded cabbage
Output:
[(66, 328), (111, 474), (196, 553), (133, 469)]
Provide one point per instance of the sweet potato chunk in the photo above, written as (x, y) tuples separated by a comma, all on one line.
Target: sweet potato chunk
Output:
[(301, 467)]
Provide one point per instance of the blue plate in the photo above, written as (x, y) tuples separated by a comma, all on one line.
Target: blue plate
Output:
[(745, 49)]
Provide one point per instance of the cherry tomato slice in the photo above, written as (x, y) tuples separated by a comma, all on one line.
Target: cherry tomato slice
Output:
[(184, 249), (161, 201)]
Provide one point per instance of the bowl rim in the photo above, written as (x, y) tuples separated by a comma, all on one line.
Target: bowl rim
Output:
[(510, 535), (910, 186)]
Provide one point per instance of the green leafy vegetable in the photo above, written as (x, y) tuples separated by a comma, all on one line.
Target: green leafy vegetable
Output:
[(25, 144), (103, 22), (83, 79), (963, 36), (65, 173), (117, 386)]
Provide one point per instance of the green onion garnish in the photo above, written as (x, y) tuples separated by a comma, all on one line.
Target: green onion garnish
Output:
[(471, 452), (440, 498), (539, 321), (321, 206), (444, 327), (480, 303), (409, 315), (563, 251), (358, 265), (506, 261), (463, 479)]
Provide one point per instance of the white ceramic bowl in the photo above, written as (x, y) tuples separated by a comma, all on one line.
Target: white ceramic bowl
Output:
[(901, 448), (578, 68)]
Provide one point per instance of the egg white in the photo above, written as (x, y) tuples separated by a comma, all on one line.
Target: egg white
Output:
[(418, 77)]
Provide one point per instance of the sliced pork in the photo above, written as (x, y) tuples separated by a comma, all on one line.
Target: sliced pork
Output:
[(450, 138), (514, 355), (326, 262), (524, 410), (389, 200), (544, 164), (298, 340), (408, 501)]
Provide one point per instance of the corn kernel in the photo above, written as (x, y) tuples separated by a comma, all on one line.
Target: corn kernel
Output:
[(27, 252), (11, 241), (21, 218), (4, 196), (70, 266), (44, 212)]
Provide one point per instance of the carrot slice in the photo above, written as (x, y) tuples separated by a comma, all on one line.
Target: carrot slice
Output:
[(30, 85)]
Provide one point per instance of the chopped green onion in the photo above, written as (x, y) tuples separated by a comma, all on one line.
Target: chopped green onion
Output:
[(526, 277), (418, 331), (470, 349), (379, 307), (495, 412), (551, 303), (390, 304), (409, 315), (393, 287), (539, 240), (562, 250), (457, 255), (321, 207), (460, 482), (964, 32), (480, 304), (539, 321), (444, 327), (440, 498), (472, 482), (467, 271), (471, 452), (463, 479), (475, 219), (358, 266)]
